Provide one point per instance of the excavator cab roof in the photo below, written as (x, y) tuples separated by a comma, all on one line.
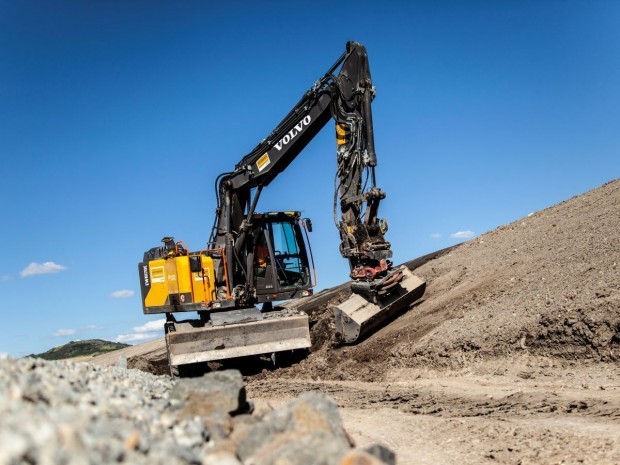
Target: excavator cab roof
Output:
[(277, 216)]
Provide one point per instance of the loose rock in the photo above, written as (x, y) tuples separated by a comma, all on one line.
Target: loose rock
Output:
[(77, 413)]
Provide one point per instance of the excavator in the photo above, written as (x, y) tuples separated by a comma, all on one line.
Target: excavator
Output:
[(255, 259)]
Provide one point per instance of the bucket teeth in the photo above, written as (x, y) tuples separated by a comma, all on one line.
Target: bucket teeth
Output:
[(357, 315)]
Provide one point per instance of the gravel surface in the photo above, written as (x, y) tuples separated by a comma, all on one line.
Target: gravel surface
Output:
[(63, 412), (79, 413)]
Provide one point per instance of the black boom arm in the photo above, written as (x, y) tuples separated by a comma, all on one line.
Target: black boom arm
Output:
[(345, 97)]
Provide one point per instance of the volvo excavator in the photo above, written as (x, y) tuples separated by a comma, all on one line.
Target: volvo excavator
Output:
[(259, 258)]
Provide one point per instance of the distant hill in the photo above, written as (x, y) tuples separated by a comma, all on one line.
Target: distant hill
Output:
[(80, 349)]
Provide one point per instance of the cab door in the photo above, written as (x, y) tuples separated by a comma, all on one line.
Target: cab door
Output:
[(290, 264), (264, 275), (281, 264)]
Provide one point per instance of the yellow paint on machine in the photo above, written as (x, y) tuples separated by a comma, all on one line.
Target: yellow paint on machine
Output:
[(171, 276), (204, 281), (174, 276), (158, 292), (263, 162), (183, 276), (341, 134)]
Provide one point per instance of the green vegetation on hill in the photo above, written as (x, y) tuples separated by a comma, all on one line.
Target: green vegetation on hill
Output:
[(80, 349)]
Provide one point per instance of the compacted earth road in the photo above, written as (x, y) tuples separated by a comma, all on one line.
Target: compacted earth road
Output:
[(522, 410)]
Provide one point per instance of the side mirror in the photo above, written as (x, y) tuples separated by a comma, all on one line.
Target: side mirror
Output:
[(308, 224)]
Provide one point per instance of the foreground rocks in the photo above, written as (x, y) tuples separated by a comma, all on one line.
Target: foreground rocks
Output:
[(77, 413)]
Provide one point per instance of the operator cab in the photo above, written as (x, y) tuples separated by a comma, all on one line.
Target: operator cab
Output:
[(280, 256)]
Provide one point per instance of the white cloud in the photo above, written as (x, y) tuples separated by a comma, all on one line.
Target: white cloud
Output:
[(122, 294), (6, 277), (435, 235), (463, 235), (150, 326), (149, 330), (135, 337), (64, 332), (92, 327), (41, 268)]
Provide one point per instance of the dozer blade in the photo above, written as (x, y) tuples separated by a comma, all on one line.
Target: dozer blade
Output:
[(275, 332), (357, 316)]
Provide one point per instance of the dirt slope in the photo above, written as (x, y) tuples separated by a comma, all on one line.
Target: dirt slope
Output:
[(547, 284)]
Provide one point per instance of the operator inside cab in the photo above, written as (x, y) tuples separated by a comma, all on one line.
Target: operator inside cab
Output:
[(261, 256)]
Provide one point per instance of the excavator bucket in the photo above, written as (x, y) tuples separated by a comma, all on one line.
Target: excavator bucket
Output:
[(237, 334), (357, 316)]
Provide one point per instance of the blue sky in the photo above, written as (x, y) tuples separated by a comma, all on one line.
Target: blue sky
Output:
[(117, 117)]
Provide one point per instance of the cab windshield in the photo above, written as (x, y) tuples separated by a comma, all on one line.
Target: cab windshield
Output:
[(289, 265)]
